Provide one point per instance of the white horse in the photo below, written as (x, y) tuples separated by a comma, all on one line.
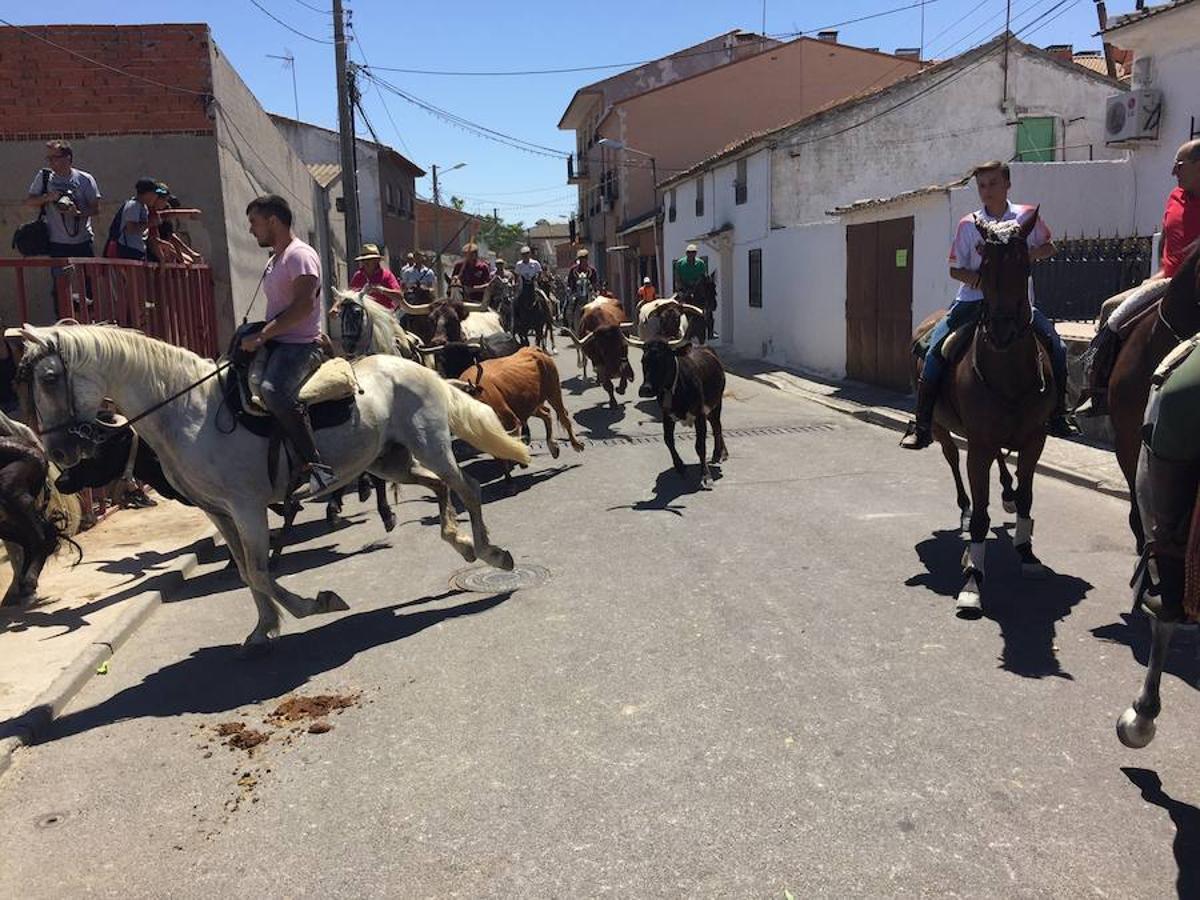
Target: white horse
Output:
[(374, 331), (400, 430)]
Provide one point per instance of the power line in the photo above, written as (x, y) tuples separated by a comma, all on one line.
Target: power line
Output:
[(270, 15), (316, 9), (103, 65), (681, 55), (379, 93)]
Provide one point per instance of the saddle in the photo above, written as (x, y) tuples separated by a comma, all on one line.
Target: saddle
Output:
[(1127, 329), (328, 393), (953, 346)]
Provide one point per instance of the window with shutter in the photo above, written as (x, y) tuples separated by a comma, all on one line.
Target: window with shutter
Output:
[(756, 278), (1035, 139), (700, 196), (739, 184)]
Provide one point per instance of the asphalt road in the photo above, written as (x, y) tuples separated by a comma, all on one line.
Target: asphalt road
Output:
[(753, 690)]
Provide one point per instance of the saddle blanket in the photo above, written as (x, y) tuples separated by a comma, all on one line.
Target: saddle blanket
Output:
[(333, 381)]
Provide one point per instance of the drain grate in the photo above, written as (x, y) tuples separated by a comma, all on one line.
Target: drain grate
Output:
[(629, 440), (486, 580)]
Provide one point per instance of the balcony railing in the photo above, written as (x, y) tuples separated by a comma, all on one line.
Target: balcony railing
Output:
[(171, 302), (577, 169)]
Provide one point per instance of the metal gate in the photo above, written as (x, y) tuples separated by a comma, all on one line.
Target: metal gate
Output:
[(1072, 285)]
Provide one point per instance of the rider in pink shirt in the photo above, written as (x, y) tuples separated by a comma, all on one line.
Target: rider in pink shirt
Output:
[(292, 334)]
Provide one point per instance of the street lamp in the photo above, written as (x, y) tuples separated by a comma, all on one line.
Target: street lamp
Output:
[(658, 250), (437, 224)]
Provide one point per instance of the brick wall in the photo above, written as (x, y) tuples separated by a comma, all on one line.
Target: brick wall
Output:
[(46, 92)]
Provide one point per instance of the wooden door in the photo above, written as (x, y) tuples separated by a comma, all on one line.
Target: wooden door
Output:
[(879, 302)]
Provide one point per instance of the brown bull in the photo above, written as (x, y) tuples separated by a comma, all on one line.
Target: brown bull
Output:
[(602, 342), (517, 387)]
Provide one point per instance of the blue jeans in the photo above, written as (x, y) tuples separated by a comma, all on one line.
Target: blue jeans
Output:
[(961, 314)]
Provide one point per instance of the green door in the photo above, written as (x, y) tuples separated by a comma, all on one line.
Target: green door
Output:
[(1035, 139)]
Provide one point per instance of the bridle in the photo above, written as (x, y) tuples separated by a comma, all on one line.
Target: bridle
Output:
[(989, 318)]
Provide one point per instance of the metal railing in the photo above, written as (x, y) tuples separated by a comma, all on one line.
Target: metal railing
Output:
[(171, 301), (1074, 283)]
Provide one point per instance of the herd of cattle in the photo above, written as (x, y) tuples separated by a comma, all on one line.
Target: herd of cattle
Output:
[(467, 345)]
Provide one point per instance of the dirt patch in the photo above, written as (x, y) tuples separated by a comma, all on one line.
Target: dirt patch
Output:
[(225, 729), (319, 727), (299, 709), (247, 739)]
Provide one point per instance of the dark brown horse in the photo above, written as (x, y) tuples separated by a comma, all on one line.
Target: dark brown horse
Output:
[(998, 396), (1152, 338)]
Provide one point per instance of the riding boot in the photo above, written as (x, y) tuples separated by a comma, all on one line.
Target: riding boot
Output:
[(298, 429), (1061, 423), (1101, 357), (920, 431), (1172, 495)]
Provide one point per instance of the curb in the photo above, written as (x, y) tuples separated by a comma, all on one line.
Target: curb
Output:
[(897, 422), (30, 725)]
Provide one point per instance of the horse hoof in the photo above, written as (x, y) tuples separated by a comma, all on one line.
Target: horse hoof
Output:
[(329, 601), (251, 650), (706, 484), (964, 521), (1034, 571), (1010, 506), (969, 605), (1135, 731), (389, 522), (504, 561), (331, 515)]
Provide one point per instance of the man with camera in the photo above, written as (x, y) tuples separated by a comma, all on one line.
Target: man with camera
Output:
[(69, 198)]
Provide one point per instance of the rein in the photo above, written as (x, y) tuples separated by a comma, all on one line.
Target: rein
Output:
[(1040, 363)]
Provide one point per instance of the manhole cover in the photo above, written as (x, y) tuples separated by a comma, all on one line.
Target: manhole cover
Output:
[(486, 580)]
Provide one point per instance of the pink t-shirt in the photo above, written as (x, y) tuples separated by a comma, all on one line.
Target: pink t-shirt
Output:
[(381, 277), (296, 259)]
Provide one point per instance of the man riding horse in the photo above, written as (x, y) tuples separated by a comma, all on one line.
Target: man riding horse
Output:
[(582, 283), (292, 335), (993, 182), (1180, 232), (472, 274)]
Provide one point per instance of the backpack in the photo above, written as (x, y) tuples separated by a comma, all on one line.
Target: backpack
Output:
[(114, 235), (33, 238)]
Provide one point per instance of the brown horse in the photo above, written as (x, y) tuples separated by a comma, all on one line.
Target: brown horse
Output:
[(998, 396), (1152, 338)]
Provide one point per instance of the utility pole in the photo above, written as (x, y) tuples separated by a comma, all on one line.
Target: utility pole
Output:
[(1007, 35), (437, 234), (346, 129)]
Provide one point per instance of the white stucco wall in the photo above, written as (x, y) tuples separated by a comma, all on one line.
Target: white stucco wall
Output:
[(1170, 41), (935, 138)]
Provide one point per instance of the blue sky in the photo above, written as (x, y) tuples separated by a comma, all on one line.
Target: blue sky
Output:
[(540, 34)]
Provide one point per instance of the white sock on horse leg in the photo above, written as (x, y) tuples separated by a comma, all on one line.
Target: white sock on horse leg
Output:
[(1024, 532), (976, 554)]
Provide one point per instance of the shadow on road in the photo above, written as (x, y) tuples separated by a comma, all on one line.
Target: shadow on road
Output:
[(1134, 632), (1025, 609), (669, 487), (1185, 818), (599, 420), (214, 680)]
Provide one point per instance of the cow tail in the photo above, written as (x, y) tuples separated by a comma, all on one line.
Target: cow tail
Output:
[(478, 425)]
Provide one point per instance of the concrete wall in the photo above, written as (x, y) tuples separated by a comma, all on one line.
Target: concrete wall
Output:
[(254, 158), (934, 138)]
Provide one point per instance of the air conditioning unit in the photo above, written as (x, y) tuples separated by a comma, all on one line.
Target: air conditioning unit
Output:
[(1132, 116)]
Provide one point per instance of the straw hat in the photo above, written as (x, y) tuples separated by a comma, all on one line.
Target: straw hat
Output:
[(369, 251), (692, 248), (526, 250), (582, 254)]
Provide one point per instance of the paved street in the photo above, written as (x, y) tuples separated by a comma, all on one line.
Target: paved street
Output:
[(738, 693)]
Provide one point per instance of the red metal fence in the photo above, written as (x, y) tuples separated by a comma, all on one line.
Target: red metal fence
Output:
[(172, 302)]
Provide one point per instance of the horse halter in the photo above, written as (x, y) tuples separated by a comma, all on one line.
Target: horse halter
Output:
[(353, 321), (989, 316), (85, 431)]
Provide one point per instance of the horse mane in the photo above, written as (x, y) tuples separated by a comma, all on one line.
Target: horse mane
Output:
[(385, 330), (1000, 232), (110, 346)]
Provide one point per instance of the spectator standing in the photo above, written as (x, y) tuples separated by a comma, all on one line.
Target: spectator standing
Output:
[(70, 197), (418, 279), (133, 224), (646, 293)]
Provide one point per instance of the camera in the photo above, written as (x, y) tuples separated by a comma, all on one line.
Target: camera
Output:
[(67, 202)]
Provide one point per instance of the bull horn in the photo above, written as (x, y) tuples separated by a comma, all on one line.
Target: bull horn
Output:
[(464, 386), (474, 345), (677, 343), (436, 348), (421, 309), (475, 307), (692, 310), (633, 342)]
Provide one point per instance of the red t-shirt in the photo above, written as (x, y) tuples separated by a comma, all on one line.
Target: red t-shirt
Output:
[(1180, 229), (473, 276), (383, 278)]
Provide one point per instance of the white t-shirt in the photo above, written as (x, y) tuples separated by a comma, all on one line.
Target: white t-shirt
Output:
[(964, 252), (529, 271)]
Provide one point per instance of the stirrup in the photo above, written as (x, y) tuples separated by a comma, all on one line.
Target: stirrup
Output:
[(921, 438), (320, 479)]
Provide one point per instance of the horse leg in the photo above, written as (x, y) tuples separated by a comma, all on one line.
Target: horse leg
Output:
[(364, 487), (440, 460), (1007, 494), (970, 599), (333, 507), (16, 559), (702, 452), (950, 452), (1136, 726), (1027, 458), (258, 642), (381, 503), (396, 465)]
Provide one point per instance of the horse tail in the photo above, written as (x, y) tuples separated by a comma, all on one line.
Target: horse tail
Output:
[(478, 425)]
